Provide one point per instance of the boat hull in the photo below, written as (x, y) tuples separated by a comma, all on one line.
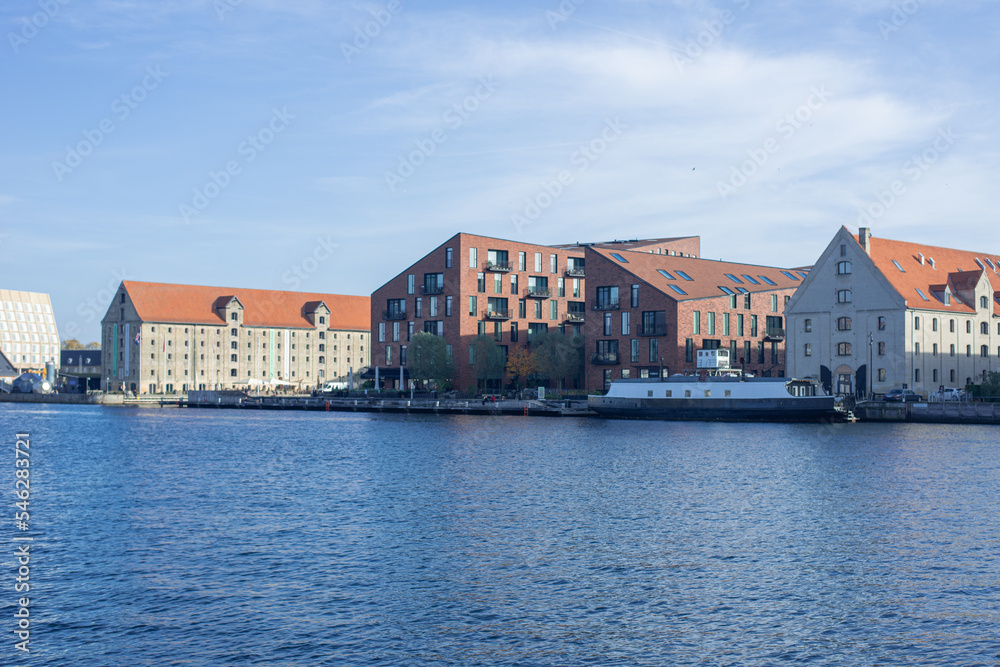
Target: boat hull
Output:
[(792, 409)]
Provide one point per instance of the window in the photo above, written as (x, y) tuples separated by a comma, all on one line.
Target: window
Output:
[(607, 324), (554, 309), (473, 258), (538, 309), (498, 331), (881, 348), (635, 296), (522, 308), (753, 326), (844, 296), (553, 264), (635, 350), (843, 349), (843, 324), (522, 261), (607, 298), (968, 326), (513, 332), (696, 323), (774, 303), (654, 347), (726, 290), (626, 324), (732, 302), (767, 280), (665, 274), (751, 279), (843, 250), (562, 286), (968, 350), (916, 375), (808, 325), (725, 324), (684, 275), (984, 351), (678, 290), (739, 327), (472, 306), (388, 355), (935, 350), (689, 350), (843, 268), (734, 278), (654, 323), (447, 306), (619, 258), (898, 266), (984, 302), (746, 301), (916, 348), (538, 262), (881, 375), (409, 333), (395, 332), (711, 324), (410, 282), (381, 332), (232, 332), (934, 324), (951, 350), (790, 275), (808, 350), (984, 328), (449, 255), (418, 307), (952, 375)]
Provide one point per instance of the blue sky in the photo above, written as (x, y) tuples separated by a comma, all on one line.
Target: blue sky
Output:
[(324, 146)]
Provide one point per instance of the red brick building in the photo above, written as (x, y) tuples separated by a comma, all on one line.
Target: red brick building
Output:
[(476, 285), (648, 311)]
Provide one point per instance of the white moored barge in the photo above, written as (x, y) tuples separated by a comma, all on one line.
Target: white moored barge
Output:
[(716, 393)]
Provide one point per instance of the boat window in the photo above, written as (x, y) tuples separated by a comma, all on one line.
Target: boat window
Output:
[(729, 393), (668, 394), (649, 393), (687, 393), (708, 393)]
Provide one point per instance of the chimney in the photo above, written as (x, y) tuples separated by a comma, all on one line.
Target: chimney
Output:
[(921, 258), (864, 236)]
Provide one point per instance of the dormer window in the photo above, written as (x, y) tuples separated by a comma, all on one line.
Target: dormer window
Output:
[(234, 316), (322, 319), (984, 302)]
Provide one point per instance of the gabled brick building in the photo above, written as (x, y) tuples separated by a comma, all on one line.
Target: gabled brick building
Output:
[(163, 338), (648, 312), (476, 285)]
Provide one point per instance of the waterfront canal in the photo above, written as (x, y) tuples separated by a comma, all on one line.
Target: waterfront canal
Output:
[(231, 537)]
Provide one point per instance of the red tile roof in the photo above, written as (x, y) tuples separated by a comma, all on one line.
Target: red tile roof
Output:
[(941, 266), (196, 304), (708, 276)]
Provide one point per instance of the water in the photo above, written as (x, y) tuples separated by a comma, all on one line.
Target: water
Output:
[(222, 537)]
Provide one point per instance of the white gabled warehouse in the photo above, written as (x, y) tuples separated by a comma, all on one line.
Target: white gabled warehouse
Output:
[(918, 316)]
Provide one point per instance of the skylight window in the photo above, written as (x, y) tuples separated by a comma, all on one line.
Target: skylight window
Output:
[(990, 262), (979, 263), (768, 280), (684, 275), (803, 273), (726, 290), (922, 295), (666, 274), (742, 290), (789, 274), (734, 278), (619, 258), (677, 289), (898, 266), (751, 279)]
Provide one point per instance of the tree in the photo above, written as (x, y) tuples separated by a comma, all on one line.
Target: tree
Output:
[(520, 365), (557, 356), (988, 390), (428, 359), (489, 360), (72, 344), (93, 346)]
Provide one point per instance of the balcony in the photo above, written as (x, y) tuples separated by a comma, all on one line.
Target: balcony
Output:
[(497, 314), (432, 289), (538, 293), (393, 315), (607, 305), (776, 335), (574, 273), (576, 318), (498, 267), (652, 331), (606, 359)]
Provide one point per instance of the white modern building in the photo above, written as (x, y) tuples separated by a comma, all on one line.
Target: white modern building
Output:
[(875, 314), (28, 334)]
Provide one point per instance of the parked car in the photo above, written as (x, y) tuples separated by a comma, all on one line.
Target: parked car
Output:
[(947, 394), (904, 396)]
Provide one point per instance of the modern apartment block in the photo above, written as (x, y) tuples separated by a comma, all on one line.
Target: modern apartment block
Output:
[(163, 338), (28, 334), (649, 314), (918, 316), (475, 285)]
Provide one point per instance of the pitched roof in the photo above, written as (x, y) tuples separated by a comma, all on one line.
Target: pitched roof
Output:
[(196, 304), (708, 276), (941, 266)]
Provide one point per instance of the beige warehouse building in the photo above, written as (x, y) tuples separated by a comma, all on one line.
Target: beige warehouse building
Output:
[(165, 338)]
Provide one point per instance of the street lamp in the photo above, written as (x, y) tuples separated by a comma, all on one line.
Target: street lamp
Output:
[(871, 341)]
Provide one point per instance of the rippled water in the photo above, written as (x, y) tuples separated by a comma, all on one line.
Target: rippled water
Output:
[(222, 537)]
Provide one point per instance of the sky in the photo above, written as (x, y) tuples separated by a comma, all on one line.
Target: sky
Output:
[(325, 146)]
